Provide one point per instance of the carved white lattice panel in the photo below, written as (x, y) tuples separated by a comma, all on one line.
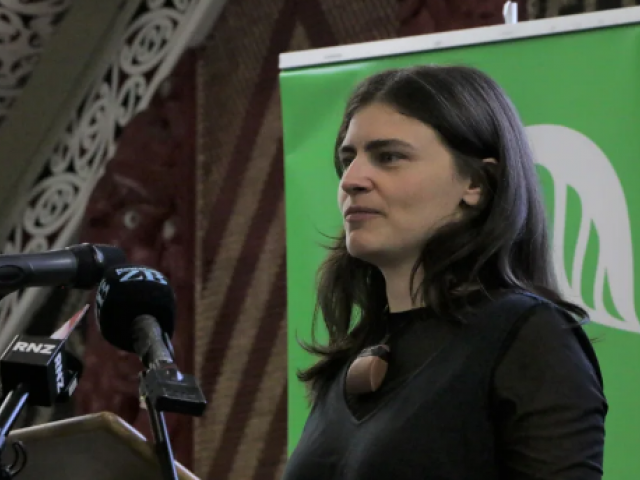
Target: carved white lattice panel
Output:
[(25, 28), (157, 34)]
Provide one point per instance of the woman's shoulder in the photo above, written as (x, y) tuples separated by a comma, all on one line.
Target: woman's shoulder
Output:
[(545, 333), (517, 306), (504, 309), (526, 317)]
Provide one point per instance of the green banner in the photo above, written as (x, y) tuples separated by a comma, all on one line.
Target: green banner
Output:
[(579, 96)]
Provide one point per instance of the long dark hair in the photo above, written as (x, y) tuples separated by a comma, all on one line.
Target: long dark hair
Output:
[(501, 244)]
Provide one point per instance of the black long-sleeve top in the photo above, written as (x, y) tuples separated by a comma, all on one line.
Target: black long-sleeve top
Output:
[(541, 416)]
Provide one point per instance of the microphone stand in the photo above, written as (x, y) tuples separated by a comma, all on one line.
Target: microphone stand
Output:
[(162, 443), (168, 390), (10, 409)]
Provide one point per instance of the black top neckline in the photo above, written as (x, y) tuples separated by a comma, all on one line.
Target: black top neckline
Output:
[(471, 300)]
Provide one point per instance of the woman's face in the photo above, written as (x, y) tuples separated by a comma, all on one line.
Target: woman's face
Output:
[(399, 183)]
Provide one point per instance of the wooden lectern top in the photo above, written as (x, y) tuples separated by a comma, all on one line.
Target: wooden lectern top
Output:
[(100, 446)]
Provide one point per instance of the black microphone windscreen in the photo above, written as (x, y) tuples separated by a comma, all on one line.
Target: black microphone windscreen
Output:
[(125, 293)]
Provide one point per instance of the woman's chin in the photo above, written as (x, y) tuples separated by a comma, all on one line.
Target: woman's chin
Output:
[(368, 247), (363, 251)]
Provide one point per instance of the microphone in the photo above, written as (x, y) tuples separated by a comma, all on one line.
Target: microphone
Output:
[(78, 266), (37, 371), (135, 310), (41, 366)]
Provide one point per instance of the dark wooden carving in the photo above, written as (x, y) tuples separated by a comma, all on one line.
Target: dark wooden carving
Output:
[(417, 17)]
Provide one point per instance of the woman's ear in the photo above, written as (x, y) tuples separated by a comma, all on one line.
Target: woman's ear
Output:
[(473, 194)]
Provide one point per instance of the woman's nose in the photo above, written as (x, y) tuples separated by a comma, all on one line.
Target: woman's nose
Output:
[(357, 177)]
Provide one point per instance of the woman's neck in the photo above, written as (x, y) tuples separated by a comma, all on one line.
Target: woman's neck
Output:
[(397, 281)]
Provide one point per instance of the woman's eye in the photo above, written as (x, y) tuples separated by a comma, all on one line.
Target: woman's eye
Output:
[(346, 161), (389, 157)]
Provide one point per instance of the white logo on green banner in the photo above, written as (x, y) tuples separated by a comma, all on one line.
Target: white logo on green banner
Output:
[(577, 164)]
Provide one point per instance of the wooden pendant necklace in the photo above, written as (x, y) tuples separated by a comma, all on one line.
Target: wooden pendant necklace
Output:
[(367, 372)]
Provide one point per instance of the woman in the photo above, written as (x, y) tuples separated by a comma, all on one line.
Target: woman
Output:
[(443, 272)]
